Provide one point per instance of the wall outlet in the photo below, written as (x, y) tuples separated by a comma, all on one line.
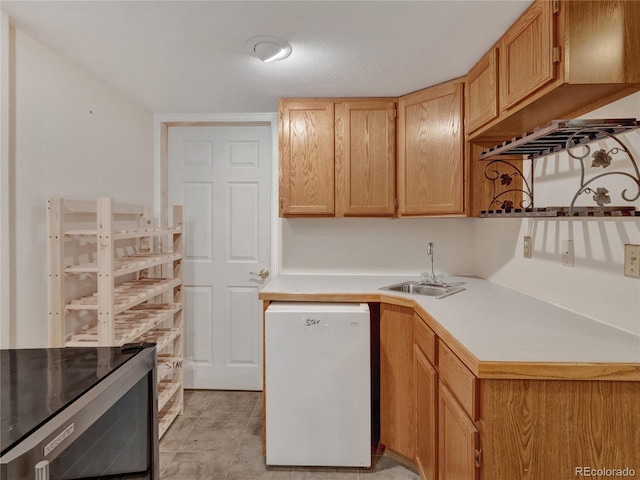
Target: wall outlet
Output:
[(527, 247), (632, 260), (567, 253)]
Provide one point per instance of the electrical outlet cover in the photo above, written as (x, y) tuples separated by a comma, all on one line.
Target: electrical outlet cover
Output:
[(527, 247), (632, 260), (567, 253)]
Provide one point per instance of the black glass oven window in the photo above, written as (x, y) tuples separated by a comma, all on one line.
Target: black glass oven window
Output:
[(116, 446)]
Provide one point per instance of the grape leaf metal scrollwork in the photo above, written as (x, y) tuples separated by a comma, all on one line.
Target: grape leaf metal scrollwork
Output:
[(602, 159), (500, 197)]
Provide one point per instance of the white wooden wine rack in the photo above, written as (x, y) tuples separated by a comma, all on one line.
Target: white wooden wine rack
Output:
[(113, 279)]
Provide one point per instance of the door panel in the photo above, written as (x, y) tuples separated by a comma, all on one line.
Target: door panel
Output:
[(221, 174), (457, 440), (526, 61), (431, 151), (307, 170)]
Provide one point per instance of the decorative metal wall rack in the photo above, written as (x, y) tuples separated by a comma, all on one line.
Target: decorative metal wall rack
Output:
[(572, 136)]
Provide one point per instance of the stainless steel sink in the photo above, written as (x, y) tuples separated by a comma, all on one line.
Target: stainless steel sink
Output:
[(437, 291)]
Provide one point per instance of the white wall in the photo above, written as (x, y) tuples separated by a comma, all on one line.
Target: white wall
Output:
[(74, 137), (595, 286), (375, 245)]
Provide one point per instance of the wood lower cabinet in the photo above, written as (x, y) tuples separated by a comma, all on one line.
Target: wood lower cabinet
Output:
[(458, 440), (397, 397), (426, 383), (431, 151), (455, 426)]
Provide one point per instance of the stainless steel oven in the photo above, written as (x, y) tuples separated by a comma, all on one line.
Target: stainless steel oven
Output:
[(79, 413)]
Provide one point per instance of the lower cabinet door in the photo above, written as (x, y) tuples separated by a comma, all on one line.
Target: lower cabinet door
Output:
[(426, 382), (458, 440)]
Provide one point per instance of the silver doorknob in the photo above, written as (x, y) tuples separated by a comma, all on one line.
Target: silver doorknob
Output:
[(264, 273)]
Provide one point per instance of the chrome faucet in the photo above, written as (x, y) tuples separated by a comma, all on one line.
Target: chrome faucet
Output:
[(430, 251)]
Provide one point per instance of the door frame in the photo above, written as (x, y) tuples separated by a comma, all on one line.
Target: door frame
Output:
[(161, 124)]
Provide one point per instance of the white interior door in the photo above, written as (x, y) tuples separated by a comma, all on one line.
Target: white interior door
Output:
[(221, 174)]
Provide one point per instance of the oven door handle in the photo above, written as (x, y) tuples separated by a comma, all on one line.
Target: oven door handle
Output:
[(42, 470)]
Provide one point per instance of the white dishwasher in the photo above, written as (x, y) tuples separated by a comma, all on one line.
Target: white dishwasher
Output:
[(318, 384)]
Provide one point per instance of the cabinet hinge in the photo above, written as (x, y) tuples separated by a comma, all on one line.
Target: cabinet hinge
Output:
[(556, 54), (477, 454), (555, 6), (281, 203)]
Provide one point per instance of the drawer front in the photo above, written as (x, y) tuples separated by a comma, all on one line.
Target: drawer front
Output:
[(424, 337), (461, 382)]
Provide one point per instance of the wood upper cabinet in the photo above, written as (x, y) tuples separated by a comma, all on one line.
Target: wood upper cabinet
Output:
[(337, 157), (397, 397), (431, 151), (526, 54), (560, 59), (481, 91), (365, 154), (306, 131)]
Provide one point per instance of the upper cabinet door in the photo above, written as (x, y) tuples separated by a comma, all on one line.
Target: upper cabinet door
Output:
[(306, 157), (365, 157), (431, 151), (526, 54), (481, 91)]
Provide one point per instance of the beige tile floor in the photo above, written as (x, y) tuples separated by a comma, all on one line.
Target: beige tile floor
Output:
[(219, 437)]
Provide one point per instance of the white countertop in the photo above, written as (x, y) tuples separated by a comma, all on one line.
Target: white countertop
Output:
[(494, 323)]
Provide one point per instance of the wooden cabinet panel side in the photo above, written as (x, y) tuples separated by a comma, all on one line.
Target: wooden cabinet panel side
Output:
[(602, 41), (536, 430)]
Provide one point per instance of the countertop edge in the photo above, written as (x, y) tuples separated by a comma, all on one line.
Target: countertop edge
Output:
[(489, 370)]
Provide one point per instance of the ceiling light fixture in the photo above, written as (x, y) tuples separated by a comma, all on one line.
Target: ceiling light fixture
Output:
[(268, 48)]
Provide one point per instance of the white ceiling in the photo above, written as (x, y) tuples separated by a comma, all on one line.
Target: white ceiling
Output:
[(189, 56)]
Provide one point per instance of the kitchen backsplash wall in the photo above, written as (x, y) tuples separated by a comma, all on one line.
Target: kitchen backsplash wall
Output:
[(595, 286), (74, 137), (375, 245)]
